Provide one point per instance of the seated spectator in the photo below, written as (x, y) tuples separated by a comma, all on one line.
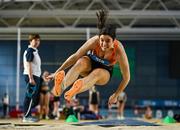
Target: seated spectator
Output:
[(148, 113)]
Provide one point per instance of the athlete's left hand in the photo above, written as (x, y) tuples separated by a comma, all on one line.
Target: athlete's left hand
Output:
[(112, 99)]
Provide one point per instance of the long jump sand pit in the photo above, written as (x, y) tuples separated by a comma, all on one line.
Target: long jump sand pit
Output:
[(16, 124)]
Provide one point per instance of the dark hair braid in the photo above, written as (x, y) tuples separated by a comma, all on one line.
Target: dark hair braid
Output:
[(105, 29), (102, 17)]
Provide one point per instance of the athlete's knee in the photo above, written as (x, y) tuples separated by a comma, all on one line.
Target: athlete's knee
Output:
[(101, 75), (83, 63)]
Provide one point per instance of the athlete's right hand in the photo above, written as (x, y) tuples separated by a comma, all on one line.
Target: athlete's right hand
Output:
[(51, 76)]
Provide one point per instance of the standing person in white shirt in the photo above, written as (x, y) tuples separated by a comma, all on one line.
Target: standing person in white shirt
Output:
[(32, 73)]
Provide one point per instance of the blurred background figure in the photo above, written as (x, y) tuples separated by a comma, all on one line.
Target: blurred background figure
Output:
[(68, 109), (148, 113), (82, 112), (122, 98), (77, 107), (158, 114), (44, 97), (94, 100), (56, 104), (5, 104), (32, 77)]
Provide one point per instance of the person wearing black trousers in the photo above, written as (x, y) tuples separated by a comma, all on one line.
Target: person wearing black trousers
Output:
[(32, 73), (5, 102)]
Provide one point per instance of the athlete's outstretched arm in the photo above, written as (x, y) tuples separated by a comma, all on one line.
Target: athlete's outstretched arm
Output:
[(89, 44), (124, 67)]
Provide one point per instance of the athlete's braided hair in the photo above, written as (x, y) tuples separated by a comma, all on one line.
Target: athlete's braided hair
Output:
[(105, 29), (102, 17)]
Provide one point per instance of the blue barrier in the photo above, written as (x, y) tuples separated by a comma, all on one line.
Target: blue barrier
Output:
[(159, 103)]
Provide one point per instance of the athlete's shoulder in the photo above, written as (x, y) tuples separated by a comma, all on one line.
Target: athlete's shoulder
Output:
[(118, 43), (119, 47), (92, 42), (94, 38)]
